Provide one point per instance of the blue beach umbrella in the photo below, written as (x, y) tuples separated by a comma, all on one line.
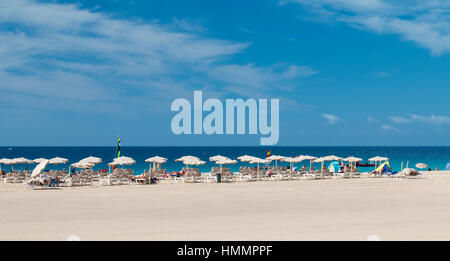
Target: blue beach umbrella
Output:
[(334, 166)]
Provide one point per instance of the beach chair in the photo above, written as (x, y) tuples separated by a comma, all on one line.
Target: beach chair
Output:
[(9, 178), (312, 174), (125, 178), (41, 181)]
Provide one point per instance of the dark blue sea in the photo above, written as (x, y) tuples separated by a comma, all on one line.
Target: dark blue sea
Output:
[(435, 157)]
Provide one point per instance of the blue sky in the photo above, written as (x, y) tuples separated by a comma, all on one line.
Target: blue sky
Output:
[(346, 72)]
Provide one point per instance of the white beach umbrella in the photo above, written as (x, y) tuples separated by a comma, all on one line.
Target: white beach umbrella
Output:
[(124, 161), (82, 165), (307, 157), (421, 166), (21, 160), (321, 160), (246, 158), (195, 162), (218, 157), (9, 162), (188, 157), (4, 160), (225, 162), (39, 160), (378, 158), (291, 161), (58, 160), (258, 161), (333, 158), (156, 160), (352, 159), (39, 168), (91, 159), (276, 158)]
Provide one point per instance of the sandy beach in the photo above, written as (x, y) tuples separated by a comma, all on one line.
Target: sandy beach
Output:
[(332, 209)]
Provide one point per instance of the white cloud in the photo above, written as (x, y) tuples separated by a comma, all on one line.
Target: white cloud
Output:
[(387, 127), (397, 119), (62, 51), (332, 119), (244, 79), (426, 23), (432, 119)]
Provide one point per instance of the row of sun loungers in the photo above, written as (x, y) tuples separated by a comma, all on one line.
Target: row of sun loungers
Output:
[(192, 175)]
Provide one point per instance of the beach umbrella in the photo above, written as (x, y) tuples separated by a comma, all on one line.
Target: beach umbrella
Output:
[(291, 161), (258, 161), (22, 160), (333, 158), (122, 160), (82, 165), (188, 157), (225, 162), (218, 157), (193, 161), (334, 166), (156, 160), (307, 157), (352, 159), (246, 158), (276, 158), (39, 160), (421, 166), (91, 159), (320, 160), (57, 161), (39, 168), (378, 158)]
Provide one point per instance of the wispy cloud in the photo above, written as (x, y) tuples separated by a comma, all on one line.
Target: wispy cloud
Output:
[(94, 60), (432, 119), (332, 119), (423, 22), (388, 127), (397, 119)]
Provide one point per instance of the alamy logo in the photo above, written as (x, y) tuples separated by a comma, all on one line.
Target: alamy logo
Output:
[(213, 123)]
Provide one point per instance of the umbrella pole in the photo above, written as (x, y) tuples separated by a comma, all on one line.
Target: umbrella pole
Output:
[(257, 172), (290, 174)]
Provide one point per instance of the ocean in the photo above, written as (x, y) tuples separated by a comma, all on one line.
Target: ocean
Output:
[(435, 157)]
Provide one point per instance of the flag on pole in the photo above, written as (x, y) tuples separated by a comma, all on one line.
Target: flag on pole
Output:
[(268, 153), (118, 148)]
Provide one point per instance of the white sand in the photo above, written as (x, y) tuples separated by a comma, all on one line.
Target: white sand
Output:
[(337, 209)]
